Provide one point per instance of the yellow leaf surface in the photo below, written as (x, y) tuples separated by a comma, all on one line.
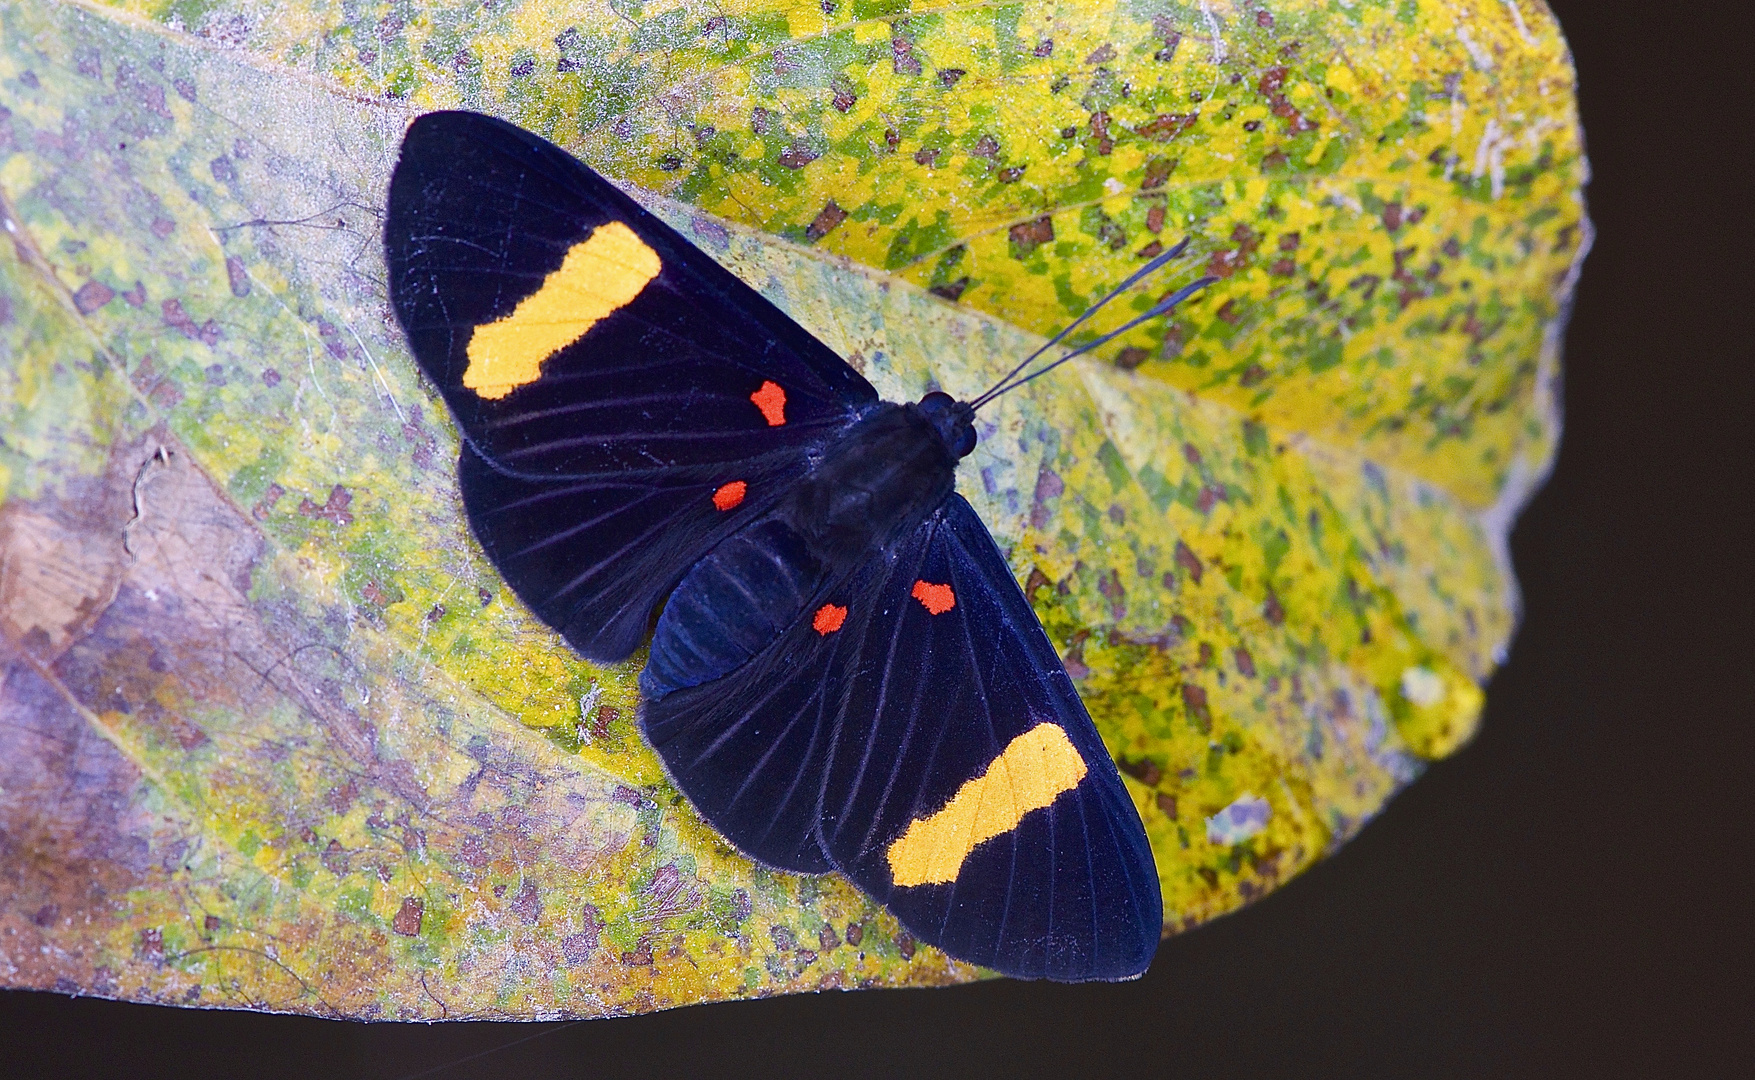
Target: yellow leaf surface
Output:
[(273, 734)]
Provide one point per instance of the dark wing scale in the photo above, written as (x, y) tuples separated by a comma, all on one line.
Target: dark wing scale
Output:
[(747, 749), (928, 702), (658, 393), (593, 556)]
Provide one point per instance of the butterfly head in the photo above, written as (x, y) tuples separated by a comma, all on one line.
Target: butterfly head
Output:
[(953, 420)]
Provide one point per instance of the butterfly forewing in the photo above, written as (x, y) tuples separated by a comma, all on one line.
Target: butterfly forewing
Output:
[(626, 402)]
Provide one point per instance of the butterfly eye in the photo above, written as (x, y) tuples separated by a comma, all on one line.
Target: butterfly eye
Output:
[(965, 442)]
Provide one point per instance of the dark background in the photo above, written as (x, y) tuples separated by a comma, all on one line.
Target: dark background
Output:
[(1568, 896)]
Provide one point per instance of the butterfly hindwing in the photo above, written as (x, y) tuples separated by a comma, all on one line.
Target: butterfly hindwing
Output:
[(965, 786), (747, 748), (917, 717), (624, 401)]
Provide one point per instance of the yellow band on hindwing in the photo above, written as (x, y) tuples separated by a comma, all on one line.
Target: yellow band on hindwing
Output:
[(1029, 774), (600, 275)]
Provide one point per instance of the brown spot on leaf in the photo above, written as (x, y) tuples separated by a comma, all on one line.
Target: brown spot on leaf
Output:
[(526, 904), (1044, 48), (1155, 219), (1271, 609), (855, 933), (1145, 770), (1194, 699), (902, 58), (826, 221), (237, 276), (1224, 264), (178, 319), (334, 509), (951, 290), (409, 916), (334, 859), (1189, 561), (91, 296), (1102, 54), (925, 156), (270, 495), (905, 944), (1049, 486), (1167, 126), (948, 77), (1029, 235), (1132, 357), (150, 945), (1158, 170)]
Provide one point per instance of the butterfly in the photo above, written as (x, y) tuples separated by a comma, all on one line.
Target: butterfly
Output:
[(844, 676)]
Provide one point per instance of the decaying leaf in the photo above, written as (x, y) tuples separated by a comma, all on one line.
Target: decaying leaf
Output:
[(273, 735)]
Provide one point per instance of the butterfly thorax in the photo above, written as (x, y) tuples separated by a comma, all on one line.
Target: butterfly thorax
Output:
[(880, 480)]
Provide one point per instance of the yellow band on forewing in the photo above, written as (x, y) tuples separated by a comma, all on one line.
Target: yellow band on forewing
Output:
[(1034, 769), (600, 275)]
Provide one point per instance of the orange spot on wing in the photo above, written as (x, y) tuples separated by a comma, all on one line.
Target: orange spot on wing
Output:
[(772, 401), (730, 495), (937, 599), (829, 619)]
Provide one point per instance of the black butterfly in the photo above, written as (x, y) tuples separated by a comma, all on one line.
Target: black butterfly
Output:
[(845, 675)]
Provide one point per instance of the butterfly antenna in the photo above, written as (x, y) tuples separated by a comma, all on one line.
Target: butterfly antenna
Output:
[(1090, 311), (1162, 307)]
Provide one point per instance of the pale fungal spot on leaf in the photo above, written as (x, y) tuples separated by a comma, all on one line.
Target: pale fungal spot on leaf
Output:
[(1243, 819), (1422, 686)]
